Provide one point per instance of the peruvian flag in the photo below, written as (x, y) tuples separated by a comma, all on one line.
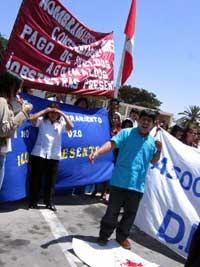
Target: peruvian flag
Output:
[(127, 58)]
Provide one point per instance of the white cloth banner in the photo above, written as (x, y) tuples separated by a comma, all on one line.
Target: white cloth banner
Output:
[(170, 208), (111, 255)]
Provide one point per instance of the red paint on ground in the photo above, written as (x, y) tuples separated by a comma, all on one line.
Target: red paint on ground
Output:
[(129, 263)]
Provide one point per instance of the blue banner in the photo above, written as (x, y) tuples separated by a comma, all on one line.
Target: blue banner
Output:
[(91, 130)]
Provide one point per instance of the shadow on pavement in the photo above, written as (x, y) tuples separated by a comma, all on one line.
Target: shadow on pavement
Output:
[(12, 206), (68, 239), (151, 243)]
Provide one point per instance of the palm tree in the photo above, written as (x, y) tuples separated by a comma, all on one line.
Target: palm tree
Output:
[(190, 116)]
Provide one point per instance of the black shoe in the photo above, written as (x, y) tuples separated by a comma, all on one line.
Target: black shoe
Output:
[(51, 207), (33, 206)]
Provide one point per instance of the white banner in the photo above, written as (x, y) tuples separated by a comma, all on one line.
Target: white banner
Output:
[(170, 208), (111, 255)]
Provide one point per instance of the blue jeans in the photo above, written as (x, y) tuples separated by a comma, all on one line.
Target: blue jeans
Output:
[(2, 169)]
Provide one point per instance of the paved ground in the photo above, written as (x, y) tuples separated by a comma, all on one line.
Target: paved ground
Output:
[(36, 238)]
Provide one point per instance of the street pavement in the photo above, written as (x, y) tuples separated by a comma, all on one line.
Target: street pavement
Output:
[(40, 238)]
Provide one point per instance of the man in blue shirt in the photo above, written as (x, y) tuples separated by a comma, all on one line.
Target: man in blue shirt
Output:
[(137, 148)]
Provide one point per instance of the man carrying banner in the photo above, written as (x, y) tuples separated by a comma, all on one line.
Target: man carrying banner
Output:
[(137, 149)]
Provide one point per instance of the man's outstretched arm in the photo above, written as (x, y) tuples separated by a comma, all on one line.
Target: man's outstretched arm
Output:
[(108, 146)]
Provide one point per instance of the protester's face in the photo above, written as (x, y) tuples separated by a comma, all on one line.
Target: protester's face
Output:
[(145, 124), (128, 125), (191, 136), (53, 116), (134, 116), (114, 107), (179, 135), (82, 104), (115, 120)]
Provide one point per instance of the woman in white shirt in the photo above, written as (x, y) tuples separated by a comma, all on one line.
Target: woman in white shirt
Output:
[(46, 153)]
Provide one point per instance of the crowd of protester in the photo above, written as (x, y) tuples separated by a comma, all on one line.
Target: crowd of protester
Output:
[(127, 137)]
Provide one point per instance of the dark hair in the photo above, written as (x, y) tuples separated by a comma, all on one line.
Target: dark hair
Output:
[(114, 100), (149, 113), (9, 84), (176, 128), (188, 129), (52, 105), (124, 122), (79, 100), (134, 110)]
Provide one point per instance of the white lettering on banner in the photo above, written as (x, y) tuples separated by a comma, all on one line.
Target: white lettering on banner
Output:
[(62, 37), (70, 82), (75, 134), (98, 85), (26, 73), (25, 133), (67, 21), (66, 57), (90, 119), (108, 46), (40, 43), (88, 51), (59, 70), (93, 62)]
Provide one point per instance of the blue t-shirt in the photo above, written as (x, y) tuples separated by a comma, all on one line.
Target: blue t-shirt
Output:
[(135, 154)]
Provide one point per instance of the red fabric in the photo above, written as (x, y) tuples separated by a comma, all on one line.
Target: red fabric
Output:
[(127, 66), (130, 24), (52, 50), (116, 131)]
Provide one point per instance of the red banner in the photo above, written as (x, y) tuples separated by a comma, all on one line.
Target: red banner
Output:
[(52, 50)]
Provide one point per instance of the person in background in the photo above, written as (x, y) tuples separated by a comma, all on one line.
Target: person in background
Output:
[(127, 123), (134, 116), (115, 123), (113, 107), (28, 90), (46, 153), (164, 125), (57, 98), (137, 148), (82, 102), (189, 136), (9, 119), (177, 131)]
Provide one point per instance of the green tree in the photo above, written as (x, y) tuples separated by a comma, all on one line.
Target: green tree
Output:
[(137, 96), (190, 116)]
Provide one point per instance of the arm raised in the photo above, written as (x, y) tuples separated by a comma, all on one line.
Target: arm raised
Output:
[(108, 146)]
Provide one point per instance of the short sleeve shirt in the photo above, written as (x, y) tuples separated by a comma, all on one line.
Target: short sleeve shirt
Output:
[(48, 142), (135, 154)]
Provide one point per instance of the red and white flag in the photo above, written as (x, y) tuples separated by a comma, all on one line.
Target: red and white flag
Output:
[(127, 57)]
